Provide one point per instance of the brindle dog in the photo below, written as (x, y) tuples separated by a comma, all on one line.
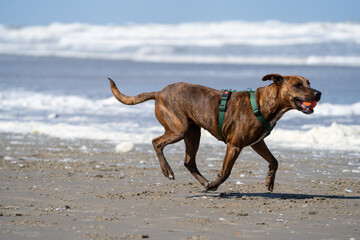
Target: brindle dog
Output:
[(184, 108)]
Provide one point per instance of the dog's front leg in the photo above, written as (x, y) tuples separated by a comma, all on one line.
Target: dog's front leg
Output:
[(232, 152), (264, 152)]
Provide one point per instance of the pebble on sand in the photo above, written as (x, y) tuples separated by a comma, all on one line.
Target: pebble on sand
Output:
[(124, 147)]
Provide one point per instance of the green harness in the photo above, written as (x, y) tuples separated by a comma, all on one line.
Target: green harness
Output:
[(222, 108)]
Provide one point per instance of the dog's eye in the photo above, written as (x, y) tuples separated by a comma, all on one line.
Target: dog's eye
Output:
[(298, 85)]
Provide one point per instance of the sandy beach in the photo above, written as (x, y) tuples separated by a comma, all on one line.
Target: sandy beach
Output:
[(80, 189), (77, 164)]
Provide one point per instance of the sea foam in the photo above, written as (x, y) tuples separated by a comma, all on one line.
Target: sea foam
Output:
[(72, 117), (234, 42), (334, 137)]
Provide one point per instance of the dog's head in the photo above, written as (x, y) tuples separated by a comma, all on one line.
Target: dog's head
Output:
[(294, 91)]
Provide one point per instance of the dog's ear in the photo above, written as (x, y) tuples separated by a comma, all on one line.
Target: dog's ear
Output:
[(277, 78)]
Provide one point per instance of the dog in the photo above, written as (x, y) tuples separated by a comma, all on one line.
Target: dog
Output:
[(183, 109)]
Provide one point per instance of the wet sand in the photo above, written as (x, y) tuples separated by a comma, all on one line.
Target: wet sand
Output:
[(61, 189)]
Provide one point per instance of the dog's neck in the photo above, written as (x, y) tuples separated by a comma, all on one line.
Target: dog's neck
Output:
[(269, 103)]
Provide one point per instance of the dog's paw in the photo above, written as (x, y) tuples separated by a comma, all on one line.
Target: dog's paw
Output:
[(270, 181), (169, 174), (270, 187), (208, 187)]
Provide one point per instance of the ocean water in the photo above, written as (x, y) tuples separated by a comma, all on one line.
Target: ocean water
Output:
[(53, 79)]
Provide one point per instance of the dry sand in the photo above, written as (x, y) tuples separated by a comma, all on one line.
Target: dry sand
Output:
[(60, 189)]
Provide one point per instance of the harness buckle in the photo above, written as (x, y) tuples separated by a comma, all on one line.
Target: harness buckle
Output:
[(222, 108), (256, 112), (225, 95)]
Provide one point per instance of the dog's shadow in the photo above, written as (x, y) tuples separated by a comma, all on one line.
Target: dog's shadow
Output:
[(285, 196)]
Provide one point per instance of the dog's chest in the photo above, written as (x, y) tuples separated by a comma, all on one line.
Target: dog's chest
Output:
[(259, 139), (272, 124), (277, 117)]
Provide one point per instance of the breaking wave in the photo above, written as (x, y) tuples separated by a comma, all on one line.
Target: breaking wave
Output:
[(72, 117), (232, 42)]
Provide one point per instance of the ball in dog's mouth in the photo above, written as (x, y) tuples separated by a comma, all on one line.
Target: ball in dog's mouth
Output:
[(310, 105), (305, 106)]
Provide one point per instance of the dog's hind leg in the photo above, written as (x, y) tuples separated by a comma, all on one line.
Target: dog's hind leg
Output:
[(159, 143), (192, 141), (175, 124)]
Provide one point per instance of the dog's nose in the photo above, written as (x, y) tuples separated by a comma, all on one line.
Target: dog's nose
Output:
[(317, 95)]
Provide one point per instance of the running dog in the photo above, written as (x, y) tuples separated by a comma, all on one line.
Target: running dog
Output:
[(183, 109)]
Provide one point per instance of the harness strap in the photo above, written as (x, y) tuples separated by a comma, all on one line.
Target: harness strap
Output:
[(258, 114), (222, 108)]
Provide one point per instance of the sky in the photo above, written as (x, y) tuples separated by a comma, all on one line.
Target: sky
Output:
[(44, 12)]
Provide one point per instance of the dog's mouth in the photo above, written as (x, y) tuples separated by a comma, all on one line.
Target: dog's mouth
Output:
[(301, 106)]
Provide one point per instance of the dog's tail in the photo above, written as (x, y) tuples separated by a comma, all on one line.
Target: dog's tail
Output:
[(142, 97)]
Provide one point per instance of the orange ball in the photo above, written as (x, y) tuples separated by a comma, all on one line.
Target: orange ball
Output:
[(310, 105)]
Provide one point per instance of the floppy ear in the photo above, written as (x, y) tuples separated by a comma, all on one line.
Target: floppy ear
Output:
[(277, 78)]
